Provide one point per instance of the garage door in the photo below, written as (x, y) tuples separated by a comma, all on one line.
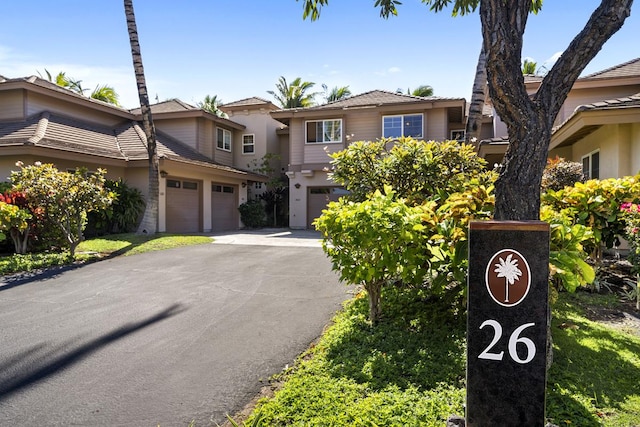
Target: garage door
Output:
[(224, 207), (318, 199), (183, 206)]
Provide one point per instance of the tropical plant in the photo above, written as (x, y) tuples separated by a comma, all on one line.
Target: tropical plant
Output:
[(211, 105), (65, 197), (529, 120), (122, 215), (106, 94), (336, 93), (293, 95), (149, 223), (422, 90), (15, 221), (631, 215), (252, 214), (529, 67)]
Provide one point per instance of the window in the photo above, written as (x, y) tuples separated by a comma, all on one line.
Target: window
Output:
[(591, 165), (189, 185), (322, 131), (224, 139), (172, 183), (248, 144), (217, 188), (397, 126), (457, 135)]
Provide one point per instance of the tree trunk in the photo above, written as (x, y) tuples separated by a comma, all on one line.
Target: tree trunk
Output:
[(149, 223), (374, 290), (530, 120), (474, 119)]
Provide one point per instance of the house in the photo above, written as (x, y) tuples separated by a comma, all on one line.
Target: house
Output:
[(313, 132), (200, 184), (598, 124)]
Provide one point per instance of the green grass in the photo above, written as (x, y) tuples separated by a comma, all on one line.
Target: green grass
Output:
[(95, 249), (410, 369)]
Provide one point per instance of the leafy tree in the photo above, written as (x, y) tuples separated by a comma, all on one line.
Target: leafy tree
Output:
[(16, 221), (211, 104), (65, 197), (149, 223), (121, 216), (529, 120), (561, 173), (336, 93), (293, 95)]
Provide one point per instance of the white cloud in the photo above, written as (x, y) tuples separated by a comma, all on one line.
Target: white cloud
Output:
[(394, 70)]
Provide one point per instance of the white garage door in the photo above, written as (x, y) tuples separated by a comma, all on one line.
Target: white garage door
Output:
[(318, 199), (224, 207), (183, 206)]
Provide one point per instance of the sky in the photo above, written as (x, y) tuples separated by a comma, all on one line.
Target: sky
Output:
[(236, 49)]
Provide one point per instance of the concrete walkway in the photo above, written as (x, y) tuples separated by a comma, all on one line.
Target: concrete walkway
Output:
[(270, 237)]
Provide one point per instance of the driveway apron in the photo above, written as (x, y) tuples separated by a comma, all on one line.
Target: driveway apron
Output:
[(160, 338)]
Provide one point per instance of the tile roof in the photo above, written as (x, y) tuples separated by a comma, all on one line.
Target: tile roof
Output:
[(625, 102), (168, 106), (628, 69), (374, 98), (254, 100), (124, 142)]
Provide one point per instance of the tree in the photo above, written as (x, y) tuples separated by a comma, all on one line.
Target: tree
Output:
[(149, 223), (529, 67), (336, 93), (293, 95), (529, 120), (422, 90), (65, 197), (476, 105), (106, 94), (211, 105)]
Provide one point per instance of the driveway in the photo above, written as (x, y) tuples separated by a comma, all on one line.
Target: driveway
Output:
[(161, 338)]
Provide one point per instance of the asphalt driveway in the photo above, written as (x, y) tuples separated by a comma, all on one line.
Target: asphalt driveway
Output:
[(161, 338)]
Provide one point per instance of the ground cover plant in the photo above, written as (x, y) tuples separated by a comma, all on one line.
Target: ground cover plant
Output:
[(96, 249), (410, 368)]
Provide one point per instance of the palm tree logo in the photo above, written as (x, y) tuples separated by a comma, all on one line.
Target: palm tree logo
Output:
[(509, 270), (508, 277)]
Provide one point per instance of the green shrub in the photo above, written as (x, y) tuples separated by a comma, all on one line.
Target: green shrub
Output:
[(122, 216), (252, 214), (561, 173)]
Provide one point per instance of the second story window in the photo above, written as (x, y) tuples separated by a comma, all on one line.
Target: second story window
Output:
[(224, 139), (398, 126), (323, 131), (248, 144)]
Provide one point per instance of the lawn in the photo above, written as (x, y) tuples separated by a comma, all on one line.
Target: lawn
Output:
[(410, 369), (98, 248)]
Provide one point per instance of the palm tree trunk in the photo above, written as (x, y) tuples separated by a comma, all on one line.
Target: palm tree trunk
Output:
[(149, 223), (474, 119)]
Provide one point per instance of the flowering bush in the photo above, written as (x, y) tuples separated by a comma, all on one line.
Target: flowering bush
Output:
[(631, 214)]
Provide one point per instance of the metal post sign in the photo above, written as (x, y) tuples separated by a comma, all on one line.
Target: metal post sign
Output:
[(507, 323)]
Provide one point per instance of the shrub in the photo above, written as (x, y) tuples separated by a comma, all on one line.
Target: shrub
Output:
[(252, 214), (122, 215), (561, 173)]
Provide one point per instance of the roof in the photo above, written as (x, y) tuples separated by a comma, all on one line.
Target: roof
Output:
[(627, 69), (625, 102), (248, 102), (168, 106), (126, 142)]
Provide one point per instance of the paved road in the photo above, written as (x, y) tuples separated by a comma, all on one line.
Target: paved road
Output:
[(160, 338)]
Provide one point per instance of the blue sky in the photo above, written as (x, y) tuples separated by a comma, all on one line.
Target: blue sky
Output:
[(238, 48)]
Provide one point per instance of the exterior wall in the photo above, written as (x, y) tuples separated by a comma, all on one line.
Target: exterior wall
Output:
[(619, 147), (585, 96), (8, 164), (499, 127), (221, 156), (12, 106), (206, 140), (184, 130), (435, 123), (37, 103), (298, 196)]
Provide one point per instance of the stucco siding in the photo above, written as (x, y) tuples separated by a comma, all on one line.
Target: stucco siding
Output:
[(12, 105), (296, 135), (317, 153), (579, 97), (363, 127), (435, 125)]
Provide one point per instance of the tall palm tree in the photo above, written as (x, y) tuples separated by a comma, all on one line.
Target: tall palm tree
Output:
[(474, 117), (422, 90), (105, 93), (295, 94), (149, 223), (336, 93), (211, 105), (529, 67)]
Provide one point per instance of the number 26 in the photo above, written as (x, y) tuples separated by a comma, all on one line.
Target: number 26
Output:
[(514, 340)]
